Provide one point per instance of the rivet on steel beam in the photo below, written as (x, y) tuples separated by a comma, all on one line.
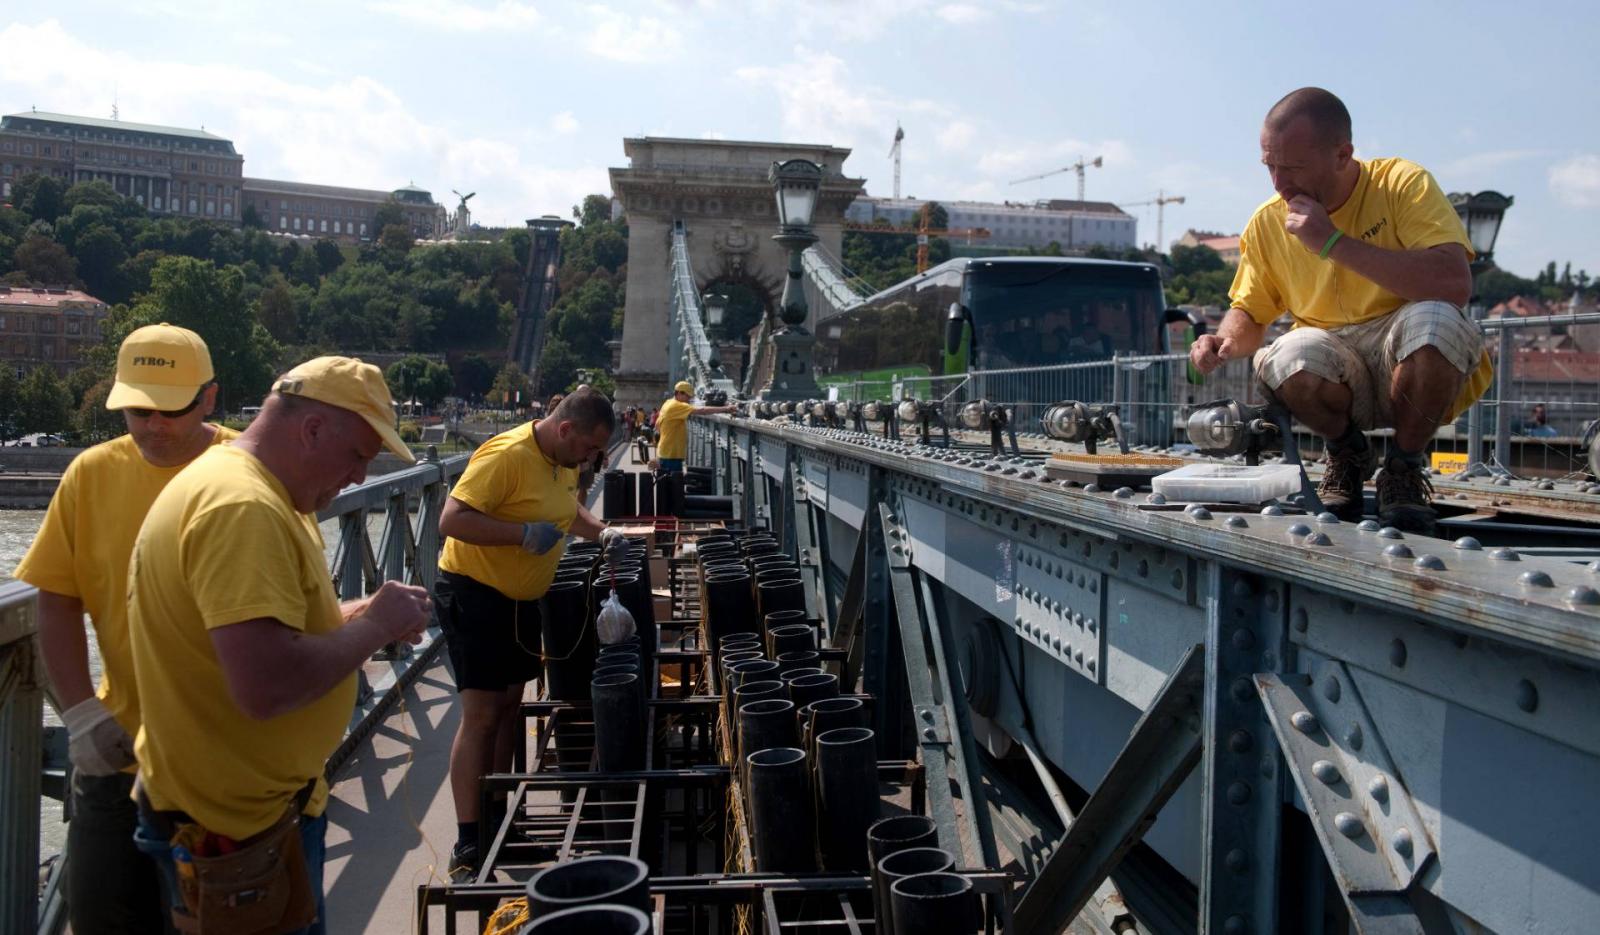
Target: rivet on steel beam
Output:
[(1505, 555), (1354, 738), (1237, 522), (1398, 550), (1368, 525), (1349, 825), (1299, 529), (1594, 567), (1243, 691), (929, 734), (1327, 519), (1429, 563), (1177, 578), (927, 715), (1527, 696), (1243, 639), (1401, 841), (1326, 772), (1091, 488), (1378, 788), (1318, 538), (1583, 596), (1272, 509), (1304, 721), (1199, 513), (1397, 653), (1235, 925), (1123, 493), (1468, 544), (1536, 579), (1331, 688), (1240, 741), (1302, 620), (1236, 861), (1239, 793), (1389, 532), (1156, 499)]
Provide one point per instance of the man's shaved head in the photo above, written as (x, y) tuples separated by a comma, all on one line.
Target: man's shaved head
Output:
[(1323, 109)]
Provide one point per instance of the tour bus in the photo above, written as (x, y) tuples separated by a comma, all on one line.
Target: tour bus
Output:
[(1000, 319)]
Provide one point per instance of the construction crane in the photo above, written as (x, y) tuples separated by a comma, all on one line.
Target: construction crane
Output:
[(1161, 201), (923, 232), (1077, 167), (894, 153)]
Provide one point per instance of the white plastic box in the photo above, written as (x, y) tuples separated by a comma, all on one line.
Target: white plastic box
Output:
[(1213, 482)]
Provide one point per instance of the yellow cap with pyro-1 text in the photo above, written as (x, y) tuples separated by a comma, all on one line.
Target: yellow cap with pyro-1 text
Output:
[(160, 367)]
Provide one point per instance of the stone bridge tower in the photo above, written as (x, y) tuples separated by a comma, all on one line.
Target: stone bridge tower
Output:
[(719, 189)]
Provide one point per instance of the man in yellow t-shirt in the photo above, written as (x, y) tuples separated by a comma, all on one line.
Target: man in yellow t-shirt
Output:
[(1371, 261), (672, 423), (244, 658), (505, 524), (79, 562)]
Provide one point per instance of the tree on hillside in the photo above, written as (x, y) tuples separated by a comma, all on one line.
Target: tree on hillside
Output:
[(42, 260), (329, 256), (557, 366), (10, 401), (416, 377), (474, 377), (100, 256), (595, 209), (96, 423), (277, 312), (388, 213), (511, 387), (1196, 259), (43, 403), (41, 197)]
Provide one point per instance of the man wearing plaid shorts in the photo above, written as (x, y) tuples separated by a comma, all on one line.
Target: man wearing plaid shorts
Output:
[(1371, 261)]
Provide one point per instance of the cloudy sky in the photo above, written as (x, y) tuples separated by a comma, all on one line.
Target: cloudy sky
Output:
[(527, 101)]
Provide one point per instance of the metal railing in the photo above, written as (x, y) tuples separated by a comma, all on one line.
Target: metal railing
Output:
[(408, 551), (827, 290), (691, 354)]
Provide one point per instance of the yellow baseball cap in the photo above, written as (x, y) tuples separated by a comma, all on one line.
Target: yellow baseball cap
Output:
[(684, 387), (349, 384), (160, 367)]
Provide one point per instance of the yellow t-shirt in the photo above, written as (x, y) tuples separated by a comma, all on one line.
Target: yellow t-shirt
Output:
[(223, 544), (83, 546), (1396, 205), (673, 424), (510, 479)]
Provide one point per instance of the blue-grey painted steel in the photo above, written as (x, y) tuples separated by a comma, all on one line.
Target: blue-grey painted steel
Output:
[(21, 752), (1478, 669)]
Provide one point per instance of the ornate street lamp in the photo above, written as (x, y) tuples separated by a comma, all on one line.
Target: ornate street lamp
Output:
[(796, 184), (716, 307), (1481, 213)]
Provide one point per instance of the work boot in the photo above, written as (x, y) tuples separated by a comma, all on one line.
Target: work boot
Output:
[(464, 862), (1404, 492), (1345, 479)]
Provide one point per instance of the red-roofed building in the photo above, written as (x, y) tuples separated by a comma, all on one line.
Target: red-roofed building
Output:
[(47, 326), (1226, 245)]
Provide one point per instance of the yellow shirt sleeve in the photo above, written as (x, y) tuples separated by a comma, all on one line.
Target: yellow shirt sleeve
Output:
[(489, 480), (211, 546), (48, 564), (1254, 289), (1423, 214)]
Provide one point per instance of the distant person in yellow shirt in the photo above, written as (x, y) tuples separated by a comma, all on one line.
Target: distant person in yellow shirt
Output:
[(1371, 261), (79, 562), (245, 659), (672, 424), (506, 521)]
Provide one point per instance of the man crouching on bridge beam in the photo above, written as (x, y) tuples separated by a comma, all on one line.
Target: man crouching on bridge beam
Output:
[(244, 658), (506, 521), (1371, 261)]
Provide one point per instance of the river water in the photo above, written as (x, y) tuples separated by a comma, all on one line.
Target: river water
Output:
[(17, 529)]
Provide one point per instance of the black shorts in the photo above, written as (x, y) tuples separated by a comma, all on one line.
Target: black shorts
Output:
[(494, 641)]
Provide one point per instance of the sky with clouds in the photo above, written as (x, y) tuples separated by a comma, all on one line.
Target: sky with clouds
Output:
[(526, 102)]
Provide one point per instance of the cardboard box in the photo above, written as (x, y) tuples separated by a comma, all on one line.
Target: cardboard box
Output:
[(659, 572)]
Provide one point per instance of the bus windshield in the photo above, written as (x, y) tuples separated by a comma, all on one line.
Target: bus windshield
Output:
[(1032, 316)]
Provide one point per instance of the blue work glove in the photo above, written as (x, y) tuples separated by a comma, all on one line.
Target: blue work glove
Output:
[(539, 538), (613, 545)]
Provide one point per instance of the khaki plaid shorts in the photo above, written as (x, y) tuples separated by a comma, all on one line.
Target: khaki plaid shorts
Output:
[(1363, 356)]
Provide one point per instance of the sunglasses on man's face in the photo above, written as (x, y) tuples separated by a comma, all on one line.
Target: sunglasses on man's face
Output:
[(167, 413)]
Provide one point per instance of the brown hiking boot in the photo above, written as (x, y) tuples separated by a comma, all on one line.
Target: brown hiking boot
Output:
[(1343, 481), (1404, 492)]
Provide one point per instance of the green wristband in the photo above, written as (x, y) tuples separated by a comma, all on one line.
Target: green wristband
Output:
[(1332, 239)]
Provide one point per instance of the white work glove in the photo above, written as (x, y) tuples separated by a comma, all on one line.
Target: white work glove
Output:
[(539, 538), (96, 744), (613, 545)]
